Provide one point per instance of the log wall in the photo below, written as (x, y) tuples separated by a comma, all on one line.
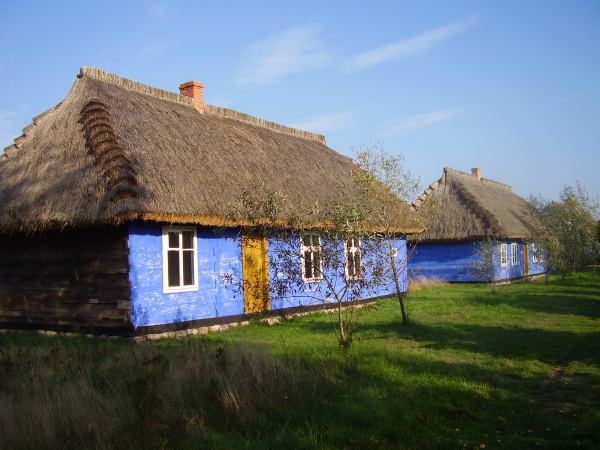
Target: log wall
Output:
[(65, 280)]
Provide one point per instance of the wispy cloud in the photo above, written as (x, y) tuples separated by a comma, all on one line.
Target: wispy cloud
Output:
[(158, 9), (294, 50), (406, 48), (327, 122), (420, 121)]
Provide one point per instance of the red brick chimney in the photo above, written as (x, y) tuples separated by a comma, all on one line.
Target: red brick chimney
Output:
[(195, 90), (476, 172)]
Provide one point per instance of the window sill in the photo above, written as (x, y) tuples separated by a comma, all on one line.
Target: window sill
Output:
[(175, 290)]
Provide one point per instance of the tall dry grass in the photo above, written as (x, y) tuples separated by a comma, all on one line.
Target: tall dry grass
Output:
[(420, 283), (84, 395)]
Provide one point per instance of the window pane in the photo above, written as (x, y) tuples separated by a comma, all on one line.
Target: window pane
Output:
[(188, 268), (306, 240), (173, 269), (173, 239), (357, 263), (308, 272), (317, 264), (188, 239), (351, 266)]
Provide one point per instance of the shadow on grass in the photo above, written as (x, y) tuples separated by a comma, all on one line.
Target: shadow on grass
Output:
[(581, 301), (551, 347)]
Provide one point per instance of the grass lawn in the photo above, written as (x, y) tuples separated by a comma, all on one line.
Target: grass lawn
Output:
[(519, 368)]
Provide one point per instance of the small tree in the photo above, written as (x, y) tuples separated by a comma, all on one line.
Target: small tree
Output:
[(324, 254), (483, 266), (386, 190), (347, 246), (569, 229)]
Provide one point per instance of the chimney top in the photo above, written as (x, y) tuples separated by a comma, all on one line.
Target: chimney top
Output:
[(476, 172), (195, 90)]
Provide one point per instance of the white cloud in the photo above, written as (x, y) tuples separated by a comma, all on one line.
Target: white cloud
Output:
[(294, 50), (327, 122), (406, 48), (421, 121)]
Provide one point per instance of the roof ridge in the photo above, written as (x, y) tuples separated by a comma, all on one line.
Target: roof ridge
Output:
[(426, 193), (161, 94), (232, 114), (18, 141), (135, 86), (480, 211), (487, 180)]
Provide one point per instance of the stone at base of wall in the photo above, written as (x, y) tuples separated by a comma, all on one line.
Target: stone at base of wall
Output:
[(275, 320)]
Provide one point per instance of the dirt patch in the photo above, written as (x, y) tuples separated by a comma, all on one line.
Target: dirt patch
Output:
[(548, 382)]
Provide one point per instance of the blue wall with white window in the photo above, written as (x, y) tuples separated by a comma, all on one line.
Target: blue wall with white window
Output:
[(448, 261), (311, 289), (218, 256)]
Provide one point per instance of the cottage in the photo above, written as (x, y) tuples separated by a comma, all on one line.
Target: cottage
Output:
[(109, 202), (472, 208)]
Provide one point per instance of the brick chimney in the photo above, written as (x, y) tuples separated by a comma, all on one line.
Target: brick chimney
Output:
[(194, 89), (476, 172)]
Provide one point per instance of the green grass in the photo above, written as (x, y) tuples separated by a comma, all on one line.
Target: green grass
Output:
[(519, 368)]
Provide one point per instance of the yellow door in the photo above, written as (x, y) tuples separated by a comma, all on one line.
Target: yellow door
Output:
[(525, 259), (256, 274)]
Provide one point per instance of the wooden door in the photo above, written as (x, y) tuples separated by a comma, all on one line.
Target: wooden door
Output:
[(256, 274), (525, 259)]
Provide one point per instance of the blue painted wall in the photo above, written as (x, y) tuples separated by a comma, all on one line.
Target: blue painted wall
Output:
[(445, 261), (448, 261), (535, 268), (218, 254), (299, 299)]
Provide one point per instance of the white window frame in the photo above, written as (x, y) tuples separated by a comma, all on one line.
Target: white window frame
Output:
[(165, 259), (537, 253), (503, 255), (351, 250), (514, 260), (311, 251)]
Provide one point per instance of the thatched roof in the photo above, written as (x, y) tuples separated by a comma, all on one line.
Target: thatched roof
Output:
[(115, 150), (470, 207)]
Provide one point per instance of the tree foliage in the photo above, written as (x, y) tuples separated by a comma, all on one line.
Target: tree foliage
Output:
[(384, 179), (483, 266), (308, 258), (341, 250), (569, 232)]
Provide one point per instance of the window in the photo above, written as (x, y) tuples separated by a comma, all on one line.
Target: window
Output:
[(513, 254), (311, 257), (353, 268), (180, 272), (503, 255), (537, 253)]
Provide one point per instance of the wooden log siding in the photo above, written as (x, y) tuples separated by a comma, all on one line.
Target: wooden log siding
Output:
[(63, 280)]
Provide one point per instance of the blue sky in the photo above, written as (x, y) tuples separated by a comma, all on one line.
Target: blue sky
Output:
[(512, 87)]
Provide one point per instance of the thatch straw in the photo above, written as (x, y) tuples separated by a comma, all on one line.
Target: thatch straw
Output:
[(117, 150), (472, 209), (100, 75)]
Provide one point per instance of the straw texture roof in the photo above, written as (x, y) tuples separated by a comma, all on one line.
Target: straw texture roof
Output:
[(115, 150), (472, 209)]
